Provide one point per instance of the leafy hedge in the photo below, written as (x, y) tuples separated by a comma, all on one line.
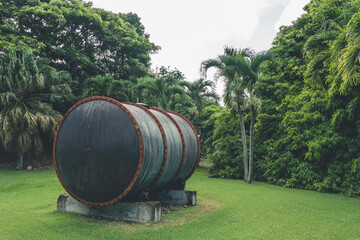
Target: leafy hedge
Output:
[(308, 123)]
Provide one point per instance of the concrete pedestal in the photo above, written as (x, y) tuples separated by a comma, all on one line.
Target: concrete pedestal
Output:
[(141, 212), (177, 197)]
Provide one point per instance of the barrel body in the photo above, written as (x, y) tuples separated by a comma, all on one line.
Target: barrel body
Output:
[(105, 150), (192, 147), (175, 148), (153, 146)]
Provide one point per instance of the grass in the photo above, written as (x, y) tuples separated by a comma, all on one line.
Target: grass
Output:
[(227, 209)]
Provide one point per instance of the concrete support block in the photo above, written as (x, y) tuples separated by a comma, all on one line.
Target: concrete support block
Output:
[(177, 197), (141, 212)]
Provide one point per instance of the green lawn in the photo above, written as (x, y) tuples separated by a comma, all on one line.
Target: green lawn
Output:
[(228, 209)]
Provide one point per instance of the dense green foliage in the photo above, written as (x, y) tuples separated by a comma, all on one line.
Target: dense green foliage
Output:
[(225, 152), (240, 70), (307, 130), (201, 93), (85, 51), (315, 143), (302, 107), (78, 38), (28, 88)]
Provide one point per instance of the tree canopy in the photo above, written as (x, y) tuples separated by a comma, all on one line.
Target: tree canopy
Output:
[(240, 70), (77, 38), (28, 88), (307, 128), (308, 118), (299, 112)]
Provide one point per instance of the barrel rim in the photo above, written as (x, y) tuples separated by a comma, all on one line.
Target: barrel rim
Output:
[(163, 138), (197, 141), (141, 148), (182, 141)]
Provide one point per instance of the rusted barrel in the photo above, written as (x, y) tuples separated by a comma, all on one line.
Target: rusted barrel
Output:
[(105, 150)]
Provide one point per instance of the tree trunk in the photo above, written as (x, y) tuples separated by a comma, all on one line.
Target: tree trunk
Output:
[(243, 136), (251, 150), (20, 163)]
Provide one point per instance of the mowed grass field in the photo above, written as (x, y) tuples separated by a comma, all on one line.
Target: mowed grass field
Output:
[(227, 209)]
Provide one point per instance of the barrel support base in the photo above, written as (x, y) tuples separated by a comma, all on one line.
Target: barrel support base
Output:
[(176, 197), (141, 212)]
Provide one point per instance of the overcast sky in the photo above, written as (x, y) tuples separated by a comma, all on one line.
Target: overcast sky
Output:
[(191, 31)]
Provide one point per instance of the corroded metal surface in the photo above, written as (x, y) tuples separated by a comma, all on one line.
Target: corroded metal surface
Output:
[(160, 125), (154, 147), (192, 154), (92, 150), (176, 149), (105, 150)]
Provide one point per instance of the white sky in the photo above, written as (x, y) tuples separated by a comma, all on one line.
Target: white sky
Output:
[(191, 31)]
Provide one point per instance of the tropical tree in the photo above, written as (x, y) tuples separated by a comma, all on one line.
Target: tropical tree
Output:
[(162, 88), (159, 91), (27, 89), (240, 70), (308, 121), (348, 48), (78, 38), (199, 92), (105, 86), (131, 90)]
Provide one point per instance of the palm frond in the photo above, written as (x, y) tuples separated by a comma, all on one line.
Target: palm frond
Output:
[(319, 42), (24, 140), (43, 121), (5, 123), (258, 59), (212, 95), (349, 60), (37, 143), (31, 119), (26, 89), (206, 65), (16, 114), (349, 65), (315, 68), (8, 139)]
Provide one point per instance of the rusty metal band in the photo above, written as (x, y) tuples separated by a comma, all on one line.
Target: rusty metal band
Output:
[(182, 142), (197, 141), (141, 148), (163, 138)]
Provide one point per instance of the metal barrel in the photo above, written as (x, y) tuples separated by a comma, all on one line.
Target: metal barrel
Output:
[(105, 150), (176, 148), (192, 149)]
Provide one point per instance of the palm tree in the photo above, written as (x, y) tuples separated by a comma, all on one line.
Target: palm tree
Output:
[(337, 43), (240, 70), (349, 55), (317, 49), (199, 92), (105, 86), (250, 71), (159, 91), (27, 89)]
